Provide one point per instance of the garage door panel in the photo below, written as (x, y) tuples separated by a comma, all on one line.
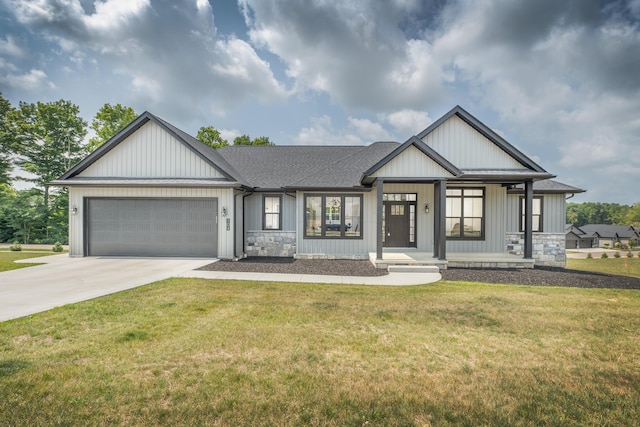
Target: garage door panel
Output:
[(152, 227)]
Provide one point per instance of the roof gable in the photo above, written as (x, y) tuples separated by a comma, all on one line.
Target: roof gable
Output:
[(470, 144), (413, 159), (151, 148)]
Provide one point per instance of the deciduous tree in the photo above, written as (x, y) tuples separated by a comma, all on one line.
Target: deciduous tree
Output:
[(6, 148), (109, 120), (47, 140), (211, 136)]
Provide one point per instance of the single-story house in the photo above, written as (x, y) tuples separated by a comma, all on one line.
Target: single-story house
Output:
[(606, 235), (455, 194), (577, 238)]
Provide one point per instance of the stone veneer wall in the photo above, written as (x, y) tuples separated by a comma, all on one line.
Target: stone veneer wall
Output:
[(548, 248), (271, 243)]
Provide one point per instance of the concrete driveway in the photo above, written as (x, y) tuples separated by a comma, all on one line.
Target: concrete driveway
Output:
[(65, 280)]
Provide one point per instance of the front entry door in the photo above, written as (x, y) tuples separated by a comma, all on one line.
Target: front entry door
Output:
[(399, 224)]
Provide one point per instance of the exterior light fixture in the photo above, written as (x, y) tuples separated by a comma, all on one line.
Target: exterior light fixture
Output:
[(74, 210), (426, 208), (224, 211)]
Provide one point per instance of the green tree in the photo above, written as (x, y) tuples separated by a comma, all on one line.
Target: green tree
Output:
[(211, 136), (47, 140), (632, 216), (6, 163), (109, 120), (262, 140), (246, 140), (242, 140), (25, 216)]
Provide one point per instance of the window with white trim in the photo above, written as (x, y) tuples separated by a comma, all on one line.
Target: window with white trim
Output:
[(272, 218)]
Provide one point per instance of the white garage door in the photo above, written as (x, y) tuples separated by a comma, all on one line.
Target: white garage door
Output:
[(152, 227)]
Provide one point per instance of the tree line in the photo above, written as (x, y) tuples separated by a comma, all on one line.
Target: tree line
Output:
[(38, 143), (603, 213)]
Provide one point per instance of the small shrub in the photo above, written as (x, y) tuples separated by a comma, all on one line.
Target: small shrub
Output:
[(629, 254), (604, 255), (57, 247), (16, 247), (617, 254), (633, 242), (617, 245), (606, 245), (589, 256)]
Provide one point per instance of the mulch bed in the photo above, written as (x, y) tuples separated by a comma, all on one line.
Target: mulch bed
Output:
[(539, 276), (297, 266)]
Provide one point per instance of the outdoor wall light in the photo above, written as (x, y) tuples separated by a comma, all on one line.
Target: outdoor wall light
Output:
[(224, 211), (74, 210), (426, 208)]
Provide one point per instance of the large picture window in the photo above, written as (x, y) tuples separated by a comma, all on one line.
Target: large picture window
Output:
[(333, 216), (465, 213), (537, 214), (272, 218)]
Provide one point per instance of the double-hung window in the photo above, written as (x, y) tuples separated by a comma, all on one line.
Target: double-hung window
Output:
[(272, 218), (465, 213), (333, 216), (536, 210)]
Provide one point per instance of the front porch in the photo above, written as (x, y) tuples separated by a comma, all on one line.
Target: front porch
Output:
[(454, 259)]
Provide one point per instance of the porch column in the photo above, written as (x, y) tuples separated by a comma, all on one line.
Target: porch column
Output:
[(436, 219), (439, 220), (528, 219), (379, 207)]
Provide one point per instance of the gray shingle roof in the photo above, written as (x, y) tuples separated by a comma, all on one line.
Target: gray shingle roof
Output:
[(273, 167), (548, 186)]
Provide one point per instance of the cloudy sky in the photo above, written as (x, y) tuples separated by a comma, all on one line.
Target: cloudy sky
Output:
[(558, 79)]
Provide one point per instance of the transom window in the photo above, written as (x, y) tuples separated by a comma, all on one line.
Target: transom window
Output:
[(465, 213), (271, 219), (333, 216), (536, 214)]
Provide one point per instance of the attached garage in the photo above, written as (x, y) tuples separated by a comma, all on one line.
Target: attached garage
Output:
[(181, 227)]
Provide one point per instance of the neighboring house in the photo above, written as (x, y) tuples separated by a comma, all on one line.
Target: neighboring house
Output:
[(456, 193), (605, 235), (576, 237)]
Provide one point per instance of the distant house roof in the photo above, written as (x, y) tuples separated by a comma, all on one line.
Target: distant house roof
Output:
[(608, 231)]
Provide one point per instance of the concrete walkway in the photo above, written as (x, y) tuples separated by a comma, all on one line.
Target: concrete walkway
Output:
[(391, 279), (63, 280)]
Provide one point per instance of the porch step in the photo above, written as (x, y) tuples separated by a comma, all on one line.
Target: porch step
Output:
[(413, 269)]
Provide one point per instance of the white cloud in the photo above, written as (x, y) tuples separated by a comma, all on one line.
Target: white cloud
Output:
[(9, 47), (32, 81), (170, 53), (408, 122), (322, 132), (354, 51)]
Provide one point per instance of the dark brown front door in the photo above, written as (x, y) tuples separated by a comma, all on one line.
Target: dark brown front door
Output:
[(397, 218)]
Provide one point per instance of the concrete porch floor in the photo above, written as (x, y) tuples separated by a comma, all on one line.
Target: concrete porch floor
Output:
[(454, 259)]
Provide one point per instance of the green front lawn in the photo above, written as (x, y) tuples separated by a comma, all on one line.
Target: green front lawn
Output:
[(620, 266), (8, 258), (198, 352)]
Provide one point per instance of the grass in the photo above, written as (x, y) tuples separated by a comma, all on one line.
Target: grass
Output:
[(8, 258), (198, 352), (620, 266)]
